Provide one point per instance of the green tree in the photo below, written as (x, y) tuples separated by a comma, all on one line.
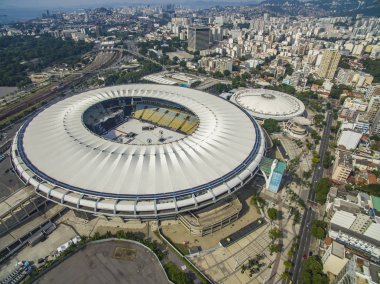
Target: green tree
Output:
[(319, 120), (195, 84), (218, 74), (312, 272), (318, 232), (315, 160), (236, 82), (344, 65), (201, 70), (306, 174), (372, 189), (274, 248), (285, 276), (220, 88), (271, 125), (246, 76), (272, 213), (226, 73), (336, 91), (275, 234), (288, 69), (327, 160), (175, 59), (322, 189), (283, 88), (22, 54), (175, 274), (373, 68), (182, 63), (152, 55), (288, 264), (297, 217), (314, 134), (258, 202)]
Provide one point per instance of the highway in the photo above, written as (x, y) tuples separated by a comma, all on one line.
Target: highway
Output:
[(133, 49), (309, 214)]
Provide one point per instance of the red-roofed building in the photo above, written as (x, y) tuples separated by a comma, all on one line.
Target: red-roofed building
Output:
[(372, 179)]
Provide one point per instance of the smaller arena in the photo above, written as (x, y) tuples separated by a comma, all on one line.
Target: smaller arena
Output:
[(263, 104)]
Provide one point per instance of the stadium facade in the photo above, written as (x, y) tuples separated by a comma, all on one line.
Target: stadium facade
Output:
[(138, 151)]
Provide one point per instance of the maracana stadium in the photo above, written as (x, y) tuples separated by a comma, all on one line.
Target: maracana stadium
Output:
[(138, 151)]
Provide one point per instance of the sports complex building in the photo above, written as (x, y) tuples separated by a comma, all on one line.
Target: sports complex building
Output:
[(138, 151), (263, 104)]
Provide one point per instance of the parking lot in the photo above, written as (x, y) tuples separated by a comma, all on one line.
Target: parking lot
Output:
[(43, 249), (9, 182), (108, 262)]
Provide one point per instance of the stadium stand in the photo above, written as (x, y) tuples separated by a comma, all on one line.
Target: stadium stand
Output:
[(190, 125), (173, 119)]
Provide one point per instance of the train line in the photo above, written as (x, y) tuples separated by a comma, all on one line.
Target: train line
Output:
[(102, 60)]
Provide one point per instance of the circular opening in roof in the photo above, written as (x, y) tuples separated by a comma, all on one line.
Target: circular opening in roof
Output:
[(268, 96), (140, 120)]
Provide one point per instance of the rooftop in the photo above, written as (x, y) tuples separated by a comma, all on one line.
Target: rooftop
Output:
[(349, 139), (264, 103)]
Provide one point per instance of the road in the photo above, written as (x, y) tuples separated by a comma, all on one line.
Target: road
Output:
[(133, 49), (309, 215)]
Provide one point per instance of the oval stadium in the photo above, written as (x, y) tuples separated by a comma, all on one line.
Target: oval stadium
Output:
[(138, 151), (263, 104)]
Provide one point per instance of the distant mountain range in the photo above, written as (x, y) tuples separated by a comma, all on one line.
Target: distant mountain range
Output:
[(321, 7)]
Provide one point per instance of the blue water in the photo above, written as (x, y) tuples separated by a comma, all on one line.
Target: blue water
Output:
[(18, 15)]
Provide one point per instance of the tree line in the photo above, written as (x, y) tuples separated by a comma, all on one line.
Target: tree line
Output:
[(23, 54)]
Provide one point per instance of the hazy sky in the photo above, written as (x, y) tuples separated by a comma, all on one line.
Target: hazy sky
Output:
[(92, 3), (59, 3)]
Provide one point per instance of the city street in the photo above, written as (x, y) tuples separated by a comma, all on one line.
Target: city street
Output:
[(309, 215)]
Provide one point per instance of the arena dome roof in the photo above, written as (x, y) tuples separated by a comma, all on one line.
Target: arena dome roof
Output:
[(264, 104), (71, 164)]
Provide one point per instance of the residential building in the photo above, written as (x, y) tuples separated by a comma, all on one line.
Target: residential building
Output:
[(329, 64), (373, 108), (342, 167), (355, 104), (362, 123), (376, 124), (372, 91)]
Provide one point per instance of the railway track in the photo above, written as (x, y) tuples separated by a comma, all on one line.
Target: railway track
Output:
[(102, 60)]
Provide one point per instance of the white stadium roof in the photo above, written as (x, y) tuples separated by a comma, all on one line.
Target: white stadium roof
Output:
[(68, 163), (264, 104)]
